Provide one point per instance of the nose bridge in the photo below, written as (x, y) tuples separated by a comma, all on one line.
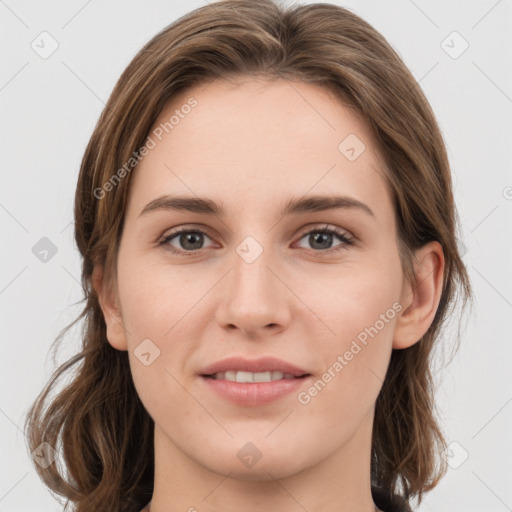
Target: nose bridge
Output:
[(255, 297), (251, 266)]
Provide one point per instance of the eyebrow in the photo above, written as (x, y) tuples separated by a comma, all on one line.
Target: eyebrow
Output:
[(293, 206)]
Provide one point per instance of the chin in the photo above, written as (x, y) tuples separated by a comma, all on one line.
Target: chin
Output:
[(256, 460), (262, 471)]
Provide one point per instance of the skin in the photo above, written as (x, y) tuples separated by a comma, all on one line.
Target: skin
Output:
[(252, 145)]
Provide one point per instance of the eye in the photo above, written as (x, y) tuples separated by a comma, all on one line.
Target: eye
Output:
[(191, 240), (319, 238)]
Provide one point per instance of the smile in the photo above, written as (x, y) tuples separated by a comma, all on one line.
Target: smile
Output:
[(251, 377)]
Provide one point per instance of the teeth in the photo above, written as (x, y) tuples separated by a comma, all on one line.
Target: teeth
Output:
[(239, 376), (247, 377)]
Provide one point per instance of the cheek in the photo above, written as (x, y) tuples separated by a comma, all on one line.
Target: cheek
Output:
[(160, 391), (152, 296), (158, 317), (358, 299), (362, 310)]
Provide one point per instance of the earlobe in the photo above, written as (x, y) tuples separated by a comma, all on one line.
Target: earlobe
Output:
[(116, 335), (421, 299)]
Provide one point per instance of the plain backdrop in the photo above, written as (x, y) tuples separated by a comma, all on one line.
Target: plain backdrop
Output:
[(460, 52)]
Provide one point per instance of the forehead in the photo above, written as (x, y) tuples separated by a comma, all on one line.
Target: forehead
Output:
[(252, 142)]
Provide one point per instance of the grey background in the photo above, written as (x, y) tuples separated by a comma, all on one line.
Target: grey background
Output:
[(49, 108)]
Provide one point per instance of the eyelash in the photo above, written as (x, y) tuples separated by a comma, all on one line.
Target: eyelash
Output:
[(344, 238)]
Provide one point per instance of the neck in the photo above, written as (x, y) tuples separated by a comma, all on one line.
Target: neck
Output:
[(338, 482)]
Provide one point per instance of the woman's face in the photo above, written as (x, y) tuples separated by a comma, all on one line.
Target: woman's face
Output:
[(259, 279)]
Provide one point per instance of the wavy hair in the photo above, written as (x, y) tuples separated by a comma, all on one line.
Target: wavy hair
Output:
[(96, 420)]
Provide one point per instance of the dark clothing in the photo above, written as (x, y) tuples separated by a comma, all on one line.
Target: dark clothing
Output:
[(388, 502)]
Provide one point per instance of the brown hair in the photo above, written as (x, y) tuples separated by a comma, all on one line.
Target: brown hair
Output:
[(105, 433)]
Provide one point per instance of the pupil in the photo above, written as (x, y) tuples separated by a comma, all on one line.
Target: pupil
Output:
[(320, 236), (186, 237)]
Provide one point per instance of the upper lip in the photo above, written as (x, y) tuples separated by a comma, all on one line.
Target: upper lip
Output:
[(255, 365)]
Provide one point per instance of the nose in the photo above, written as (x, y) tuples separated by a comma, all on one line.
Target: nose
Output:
[(255, 299)]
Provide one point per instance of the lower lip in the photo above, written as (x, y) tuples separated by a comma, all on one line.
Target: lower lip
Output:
[(258, 393)]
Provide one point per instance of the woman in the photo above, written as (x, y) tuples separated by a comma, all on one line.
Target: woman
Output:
[(281, 361)]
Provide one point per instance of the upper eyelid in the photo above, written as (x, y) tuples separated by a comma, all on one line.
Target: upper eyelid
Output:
[(304, 231), (185, 229)]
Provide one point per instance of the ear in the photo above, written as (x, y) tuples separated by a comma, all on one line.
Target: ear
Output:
[(116, 335), (421, 299)]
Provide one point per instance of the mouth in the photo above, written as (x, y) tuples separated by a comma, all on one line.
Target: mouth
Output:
[(254, 377), (245, 382), (264, 369)]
